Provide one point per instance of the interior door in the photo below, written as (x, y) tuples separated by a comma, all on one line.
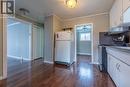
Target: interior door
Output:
[(37, 42)]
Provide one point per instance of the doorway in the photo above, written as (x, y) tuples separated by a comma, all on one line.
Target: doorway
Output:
[(18, 50), (37, 42), (18, 43), (84, 42)]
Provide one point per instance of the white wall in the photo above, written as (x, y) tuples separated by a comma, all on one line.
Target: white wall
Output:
[(48, 51), (100, 24), (18, 39)]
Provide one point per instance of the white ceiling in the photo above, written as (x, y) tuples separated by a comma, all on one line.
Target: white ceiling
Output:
[(41, 8)]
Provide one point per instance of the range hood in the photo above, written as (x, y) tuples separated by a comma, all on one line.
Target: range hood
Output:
[(124, 27)]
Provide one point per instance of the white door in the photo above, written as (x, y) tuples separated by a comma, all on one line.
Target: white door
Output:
[(37, 42)]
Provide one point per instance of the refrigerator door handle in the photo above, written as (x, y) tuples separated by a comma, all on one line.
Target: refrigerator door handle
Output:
[(57, 35)]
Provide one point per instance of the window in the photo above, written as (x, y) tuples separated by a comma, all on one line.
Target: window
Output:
[(85, 36)]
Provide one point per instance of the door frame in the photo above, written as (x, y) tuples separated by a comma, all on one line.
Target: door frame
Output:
[(75, 37), (34, 27), (5, 59)]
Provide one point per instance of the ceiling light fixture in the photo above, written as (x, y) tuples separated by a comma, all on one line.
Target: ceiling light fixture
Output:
[(24, 11), (71, 3)]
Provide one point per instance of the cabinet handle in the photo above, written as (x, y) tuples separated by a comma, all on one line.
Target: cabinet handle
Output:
[(119, 68)]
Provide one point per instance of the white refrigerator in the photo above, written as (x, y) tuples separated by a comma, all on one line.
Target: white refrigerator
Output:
[(63, 47)]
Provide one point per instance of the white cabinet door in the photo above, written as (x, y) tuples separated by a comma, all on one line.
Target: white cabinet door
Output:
[(119, 12), (126, 4), (112, 69), (116, 14), (126, 16), (118, 67), (124, 71), (113, 16), (119, 72)]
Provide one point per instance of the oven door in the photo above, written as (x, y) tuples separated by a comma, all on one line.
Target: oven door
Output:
[(100, 57)]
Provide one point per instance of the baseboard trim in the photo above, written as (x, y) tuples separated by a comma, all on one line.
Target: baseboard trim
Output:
[(83, 53), (95, 63), (16, 57), (49, 62)]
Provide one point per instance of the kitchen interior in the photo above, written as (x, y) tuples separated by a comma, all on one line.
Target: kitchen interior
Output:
[(113, 48), (110, 48), (114, 45)]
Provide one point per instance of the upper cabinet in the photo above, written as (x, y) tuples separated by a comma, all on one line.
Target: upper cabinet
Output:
[(119, 12), (126, 16), (116, 13), (126, 4)]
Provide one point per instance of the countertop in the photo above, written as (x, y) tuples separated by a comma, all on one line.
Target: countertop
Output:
[(120, 53), (121, 48)]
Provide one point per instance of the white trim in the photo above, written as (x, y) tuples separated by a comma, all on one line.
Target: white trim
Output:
[(13, 24), (20, 58), (30, 41), (19, 20), (57, 17), (28, 17), (4, 76), (49, 62), (75, 38), (95, 63), (104, 13), (84, 53)]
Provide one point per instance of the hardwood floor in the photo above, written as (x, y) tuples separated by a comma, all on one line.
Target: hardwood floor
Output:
[(39, 74), (84, 58)]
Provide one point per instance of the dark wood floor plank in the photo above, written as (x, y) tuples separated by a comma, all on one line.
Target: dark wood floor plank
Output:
[(39, 74)]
